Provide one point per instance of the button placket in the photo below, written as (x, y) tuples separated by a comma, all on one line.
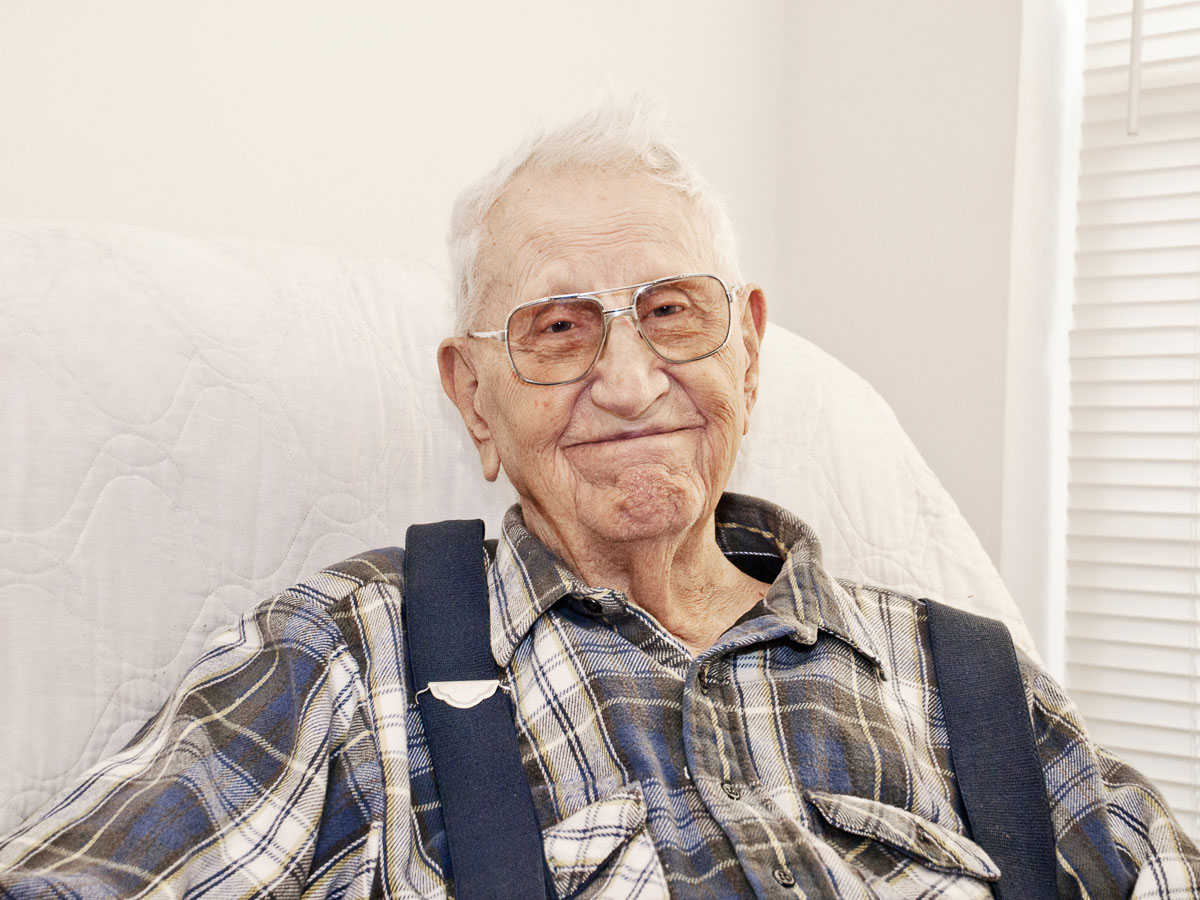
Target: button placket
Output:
[(723, 775)]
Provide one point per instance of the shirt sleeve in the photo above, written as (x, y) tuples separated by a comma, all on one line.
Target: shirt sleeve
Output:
[(1114, 833), (258, 776)]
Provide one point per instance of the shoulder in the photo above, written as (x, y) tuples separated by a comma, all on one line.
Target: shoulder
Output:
[(901, 624), (326, 612), (343, 583), (896, 621), (872, 599), (903, 614)]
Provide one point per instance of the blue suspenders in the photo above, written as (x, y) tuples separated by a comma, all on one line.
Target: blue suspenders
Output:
[(492, 833), (993, 751), (491, 830)]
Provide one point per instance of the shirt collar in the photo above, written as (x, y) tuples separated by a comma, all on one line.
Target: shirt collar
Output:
[(526, 578)]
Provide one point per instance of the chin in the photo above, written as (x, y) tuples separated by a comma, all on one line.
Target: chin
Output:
[(645, 506)]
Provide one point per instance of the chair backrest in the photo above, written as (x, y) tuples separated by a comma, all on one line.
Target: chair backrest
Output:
[(191, 425)]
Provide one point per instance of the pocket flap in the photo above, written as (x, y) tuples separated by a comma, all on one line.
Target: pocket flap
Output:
[(933, 845), (578, 846)]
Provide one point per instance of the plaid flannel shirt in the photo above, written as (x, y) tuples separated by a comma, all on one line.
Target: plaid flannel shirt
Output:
[(803, 755)]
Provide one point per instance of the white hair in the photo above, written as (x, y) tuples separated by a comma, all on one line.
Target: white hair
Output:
[(626, 136)]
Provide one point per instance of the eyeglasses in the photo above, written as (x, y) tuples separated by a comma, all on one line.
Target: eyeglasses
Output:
[(557, 340)]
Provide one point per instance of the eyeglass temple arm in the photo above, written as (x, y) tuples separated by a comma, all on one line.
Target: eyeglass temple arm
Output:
[(489, 335)]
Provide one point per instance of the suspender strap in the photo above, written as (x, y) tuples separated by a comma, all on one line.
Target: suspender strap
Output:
[(492, 833), (992, 748)]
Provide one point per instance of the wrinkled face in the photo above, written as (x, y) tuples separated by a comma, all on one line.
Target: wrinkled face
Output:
[(639, 448)]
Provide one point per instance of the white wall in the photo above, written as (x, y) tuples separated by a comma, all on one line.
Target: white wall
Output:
[(866, 147), (904, 120), (353, 124)]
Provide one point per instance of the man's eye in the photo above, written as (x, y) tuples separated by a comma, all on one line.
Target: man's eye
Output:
[(666, 309), (560, 326)]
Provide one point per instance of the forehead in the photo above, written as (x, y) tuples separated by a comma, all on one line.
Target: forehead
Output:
[(563, 231)]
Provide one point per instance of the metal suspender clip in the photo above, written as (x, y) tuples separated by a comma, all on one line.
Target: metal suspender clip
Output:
[(463, 694)]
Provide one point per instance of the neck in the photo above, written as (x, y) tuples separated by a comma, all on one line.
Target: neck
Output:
[(682, 579)]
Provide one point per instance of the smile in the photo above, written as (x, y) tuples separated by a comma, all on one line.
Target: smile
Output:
[(627, 436)]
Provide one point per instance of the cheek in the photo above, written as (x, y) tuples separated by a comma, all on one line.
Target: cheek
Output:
[(739, 399), (531, 420), (724, 413), (543, 406), (724, 399)]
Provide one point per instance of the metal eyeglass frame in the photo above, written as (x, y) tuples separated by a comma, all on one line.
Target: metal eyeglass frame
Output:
[(608, 315)]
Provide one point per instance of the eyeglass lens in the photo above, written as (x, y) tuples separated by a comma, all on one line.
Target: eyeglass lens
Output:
[(557, 340)]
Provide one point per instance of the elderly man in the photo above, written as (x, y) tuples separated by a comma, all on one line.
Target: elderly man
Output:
[(699, 709)]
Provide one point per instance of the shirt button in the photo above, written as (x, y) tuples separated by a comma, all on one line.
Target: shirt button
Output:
[(784, 877), (592, 605), (732, 791), (702, 679)]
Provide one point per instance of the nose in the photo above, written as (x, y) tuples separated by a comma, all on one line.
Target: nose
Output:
[(629, 377)]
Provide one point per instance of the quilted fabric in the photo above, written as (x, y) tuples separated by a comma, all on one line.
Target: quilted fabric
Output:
[(190, 425)]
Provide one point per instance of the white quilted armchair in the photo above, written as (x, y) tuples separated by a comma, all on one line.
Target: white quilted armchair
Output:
[(188, 426)]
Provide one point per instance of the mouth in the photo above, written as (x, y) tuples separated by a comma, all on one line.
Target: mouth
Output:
[(626, 436)]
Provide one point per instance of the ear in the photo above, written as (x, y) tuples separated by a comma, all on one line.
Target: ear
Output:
[(460, 381), (754, 326)]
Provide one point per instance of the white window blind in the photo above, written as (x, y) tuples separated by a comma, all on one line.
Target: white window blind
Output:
[(1133, 574)]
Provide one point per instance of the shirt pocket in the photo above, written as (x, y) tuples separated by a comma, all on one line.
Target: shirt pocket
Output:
[(604, 851), (876, 832)]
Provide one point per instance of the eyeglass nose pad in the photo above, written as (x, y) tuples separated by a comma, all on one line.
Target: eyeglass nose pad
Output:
[(623, 312)]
